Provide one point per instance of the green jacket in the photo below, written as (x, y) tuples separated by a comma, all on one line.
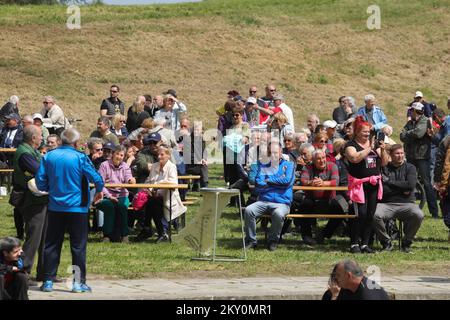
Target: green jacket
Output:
[(21, 178)]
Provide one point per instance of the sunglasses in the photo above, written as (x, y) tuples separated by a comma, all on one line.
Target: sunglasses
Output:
[(253, 91), (112, 91), (273, 90)]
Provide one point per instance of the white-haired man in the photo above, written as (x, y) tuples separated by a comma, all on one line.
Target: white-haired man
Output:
[(11, 106), (54, 119), (372, 113)]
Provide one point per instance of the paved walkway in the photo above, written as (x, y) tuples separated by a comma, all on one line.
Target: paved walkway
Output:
[(258, 288)]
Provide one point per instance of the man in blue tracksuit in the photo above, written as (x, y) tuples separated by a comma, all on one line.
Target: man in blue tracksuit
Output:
[(65, 174), (273, 184)]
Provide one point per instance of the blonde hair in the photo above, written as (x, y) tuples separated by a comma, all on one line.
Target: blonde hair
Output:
[(338, 144), (282, 119), (116, 120), (148, 123), (138, 104)]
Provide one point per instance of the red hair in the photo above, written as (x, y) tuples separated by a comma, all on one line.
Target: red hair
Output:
[(359, 123)]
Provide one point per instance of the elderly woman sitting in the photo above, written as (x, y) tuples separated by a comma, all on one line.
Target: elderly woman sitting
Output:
[(158, 204), (115, 202)]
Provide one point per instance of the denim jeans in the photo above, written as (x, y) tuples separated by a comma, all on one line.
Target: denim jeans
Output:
[(257, 209), (423, 170)]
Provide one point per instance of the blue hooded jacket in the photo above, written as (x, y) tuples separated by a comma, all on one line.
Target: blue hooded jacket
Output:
[(273, 184), (65, 173)]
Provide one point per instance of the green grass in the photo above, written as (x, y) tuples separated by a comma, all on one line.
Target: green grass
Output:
[(136, 260)]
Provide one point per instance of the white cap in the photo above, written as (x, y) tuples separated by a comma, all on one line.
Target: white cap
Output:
[(330, 124), (38, 116), (418, 94), (417, 106), (251, 100)]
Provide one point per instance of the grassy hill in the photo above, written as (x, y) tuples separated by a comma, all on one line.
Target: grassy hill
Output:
[(313, 50)]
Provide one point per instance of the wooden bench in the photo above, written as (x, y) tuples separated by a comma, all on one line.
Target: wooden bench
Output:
[(316, 215)]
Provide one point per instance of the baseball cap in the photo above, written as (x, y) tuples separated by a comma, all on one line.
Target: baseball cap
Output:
[(278, 96), (330, 124), (14, 116), (417, 106), (152, 137), (418, 94), (38, 116), (251, 100), (171, 92), (109, 146)]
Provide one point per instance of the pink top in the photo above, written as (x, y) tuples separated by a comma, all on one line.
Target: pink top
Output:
[(356, 191), (113, 174)]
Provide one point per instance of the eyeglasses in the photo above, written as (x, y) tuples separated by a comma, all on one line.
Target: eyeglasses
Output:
[(98, 149), (273, 90), (252, 91)]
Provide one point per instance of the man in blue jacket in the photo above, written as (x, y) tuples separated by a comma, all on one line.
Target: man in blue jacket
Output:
[(372, 113), (65, 174), (273, 184)]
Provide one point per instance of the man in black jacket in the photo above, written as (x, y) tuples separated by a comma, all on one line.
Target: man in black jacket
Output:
[(12, 106), (13, 280), (399, 181)]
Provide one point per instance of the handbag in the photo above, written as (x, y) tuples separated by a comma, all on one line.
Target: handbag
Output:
[(16, 198), (140, 199)]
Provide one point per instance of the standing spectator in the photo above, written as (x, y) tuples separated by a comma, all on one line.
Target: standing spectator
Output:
[(399, 182), (428, 108), (115, 202), (65, 174), (172, 110), (54, 119), (38, 121), (12, 106), (53, 141), (364, 157), (344, 111), (112, 105), (273, 183), (157, 104), (34, 207), (13, 279), (103, 131), (253, 92), (278, 100), (353, 285), (372, 113), (330, 127), (440, 128), (268, 98), (442, 179), (136, 114), (418, 152)]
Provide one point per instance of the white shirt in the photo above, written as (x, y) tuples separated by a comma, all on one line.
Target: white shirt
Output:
[(288, 113)]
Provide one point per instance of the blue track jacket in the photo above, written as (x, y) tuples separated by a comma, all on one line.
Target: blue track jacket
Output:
[(65, 173)]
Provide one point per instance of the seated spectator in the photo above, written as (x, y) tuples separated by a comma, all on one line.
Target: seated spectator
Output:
[(106, 154), (321, 142), (115, 200), (158, 204), (12, 106), (354, 285), (320, 174), (27, 120), (146, 157), (290, 148), (136, 114), (130, 155), (279, 127), (146, 127), (348, 129), (95, 148), (118, 127), (53, 141), (399, 182), (330, 127), (333, 289), (12, 133), (54, 119), (344, 111), (38, 121), (372, 113), (103, 132), (43, 150), (273, 183), (311, 123), (13, 279), (300, 138)]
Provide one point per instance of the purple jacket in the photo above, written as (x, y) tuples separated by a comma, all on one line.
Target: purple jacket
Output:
[(112, 174)]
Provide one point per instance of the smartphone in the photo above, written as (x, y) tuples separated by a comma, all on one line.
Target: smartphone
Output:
[(380, 136)]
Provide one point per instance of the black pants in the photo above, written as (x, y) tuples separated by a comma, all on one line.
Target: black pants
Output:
[(319, 207), (361, 227), (76, 224), (201, 170), (35, 218), (18, 223), (154, 210), (17, 289)]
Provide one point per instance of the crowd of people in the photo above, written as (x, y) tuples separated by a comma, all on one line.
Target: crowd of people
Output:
[(154, 141)]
